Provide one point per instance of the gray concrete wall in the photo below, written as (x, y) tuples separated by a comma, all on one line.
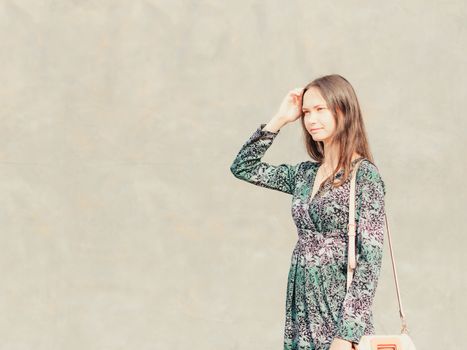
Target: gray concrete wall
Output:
[(121, 226)]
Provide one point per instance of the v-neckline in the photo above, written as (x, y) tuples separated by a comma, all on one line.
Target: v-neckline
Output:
[(310, 197)]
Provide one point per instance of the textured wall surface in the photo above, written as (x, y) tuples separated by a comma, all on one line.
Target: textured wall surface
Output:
[(121, 226)]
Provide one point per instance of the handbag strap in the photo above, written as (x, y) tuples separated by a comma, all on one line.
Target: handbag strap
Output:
[(351, 246)]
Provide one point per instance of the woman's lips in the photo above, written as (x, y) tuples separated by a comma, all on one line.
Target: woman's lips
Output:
[(314, 130)]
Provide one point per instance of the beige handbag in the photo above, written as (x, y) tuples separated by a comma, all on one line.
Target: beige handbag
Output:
[(375, 341)]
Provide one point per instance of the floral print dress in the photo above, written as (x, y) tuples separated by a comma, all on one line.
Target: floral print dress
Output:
[(318, 306)]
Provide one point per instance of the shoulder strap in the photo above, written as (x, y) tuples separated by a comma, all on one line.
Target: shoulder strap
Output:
[(351, 246)]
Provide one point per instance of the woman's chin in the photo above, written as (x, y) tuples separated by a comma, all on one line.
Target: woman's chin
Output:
[(316, 137)]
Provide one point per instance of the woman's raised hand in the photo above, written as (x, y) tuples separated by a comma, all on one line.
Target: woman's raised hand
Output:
[(290, 108)]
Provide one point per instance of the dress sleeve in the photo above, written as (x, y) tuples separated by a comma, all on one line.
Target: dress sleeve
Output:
[(248, 166), (356, 313)]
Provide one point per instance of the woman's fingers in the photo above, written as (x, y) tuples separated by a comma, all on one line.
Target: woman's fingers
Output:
[(297, 91)]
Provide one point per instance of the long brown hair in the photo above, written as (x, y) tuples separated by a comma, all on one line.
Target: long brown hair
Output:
[(350, 134)]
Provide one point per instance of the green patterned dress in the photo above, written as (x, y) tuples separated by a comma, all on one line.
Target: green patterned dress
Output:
[(318, 307)]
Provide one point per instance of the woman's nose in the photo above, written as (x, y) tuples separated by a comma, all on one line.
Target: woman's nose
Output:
[(310, 117)]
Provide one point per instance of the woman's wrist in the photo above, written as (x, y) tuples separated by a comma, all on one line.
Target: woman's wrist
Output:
[(275, 124), (341, 344)]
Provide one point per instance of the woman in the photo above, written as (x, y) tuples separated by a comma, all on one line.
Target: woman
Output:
[(320, 313)]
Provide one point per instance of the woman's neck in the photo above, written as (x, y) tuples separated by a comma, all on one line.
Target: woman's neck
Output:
[(331, 157)]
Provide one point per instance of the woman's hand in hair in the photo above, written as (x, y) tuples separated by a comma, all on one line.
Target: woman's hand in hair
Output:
[(289, 111), (291, 107)]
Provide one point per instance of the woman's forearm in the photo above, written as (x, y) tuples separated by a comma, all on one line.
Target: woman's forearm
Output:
[(275, 124)]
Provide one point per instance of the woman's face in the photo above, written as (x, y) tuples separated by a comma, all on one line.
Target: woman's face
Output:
[(318, 119)]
